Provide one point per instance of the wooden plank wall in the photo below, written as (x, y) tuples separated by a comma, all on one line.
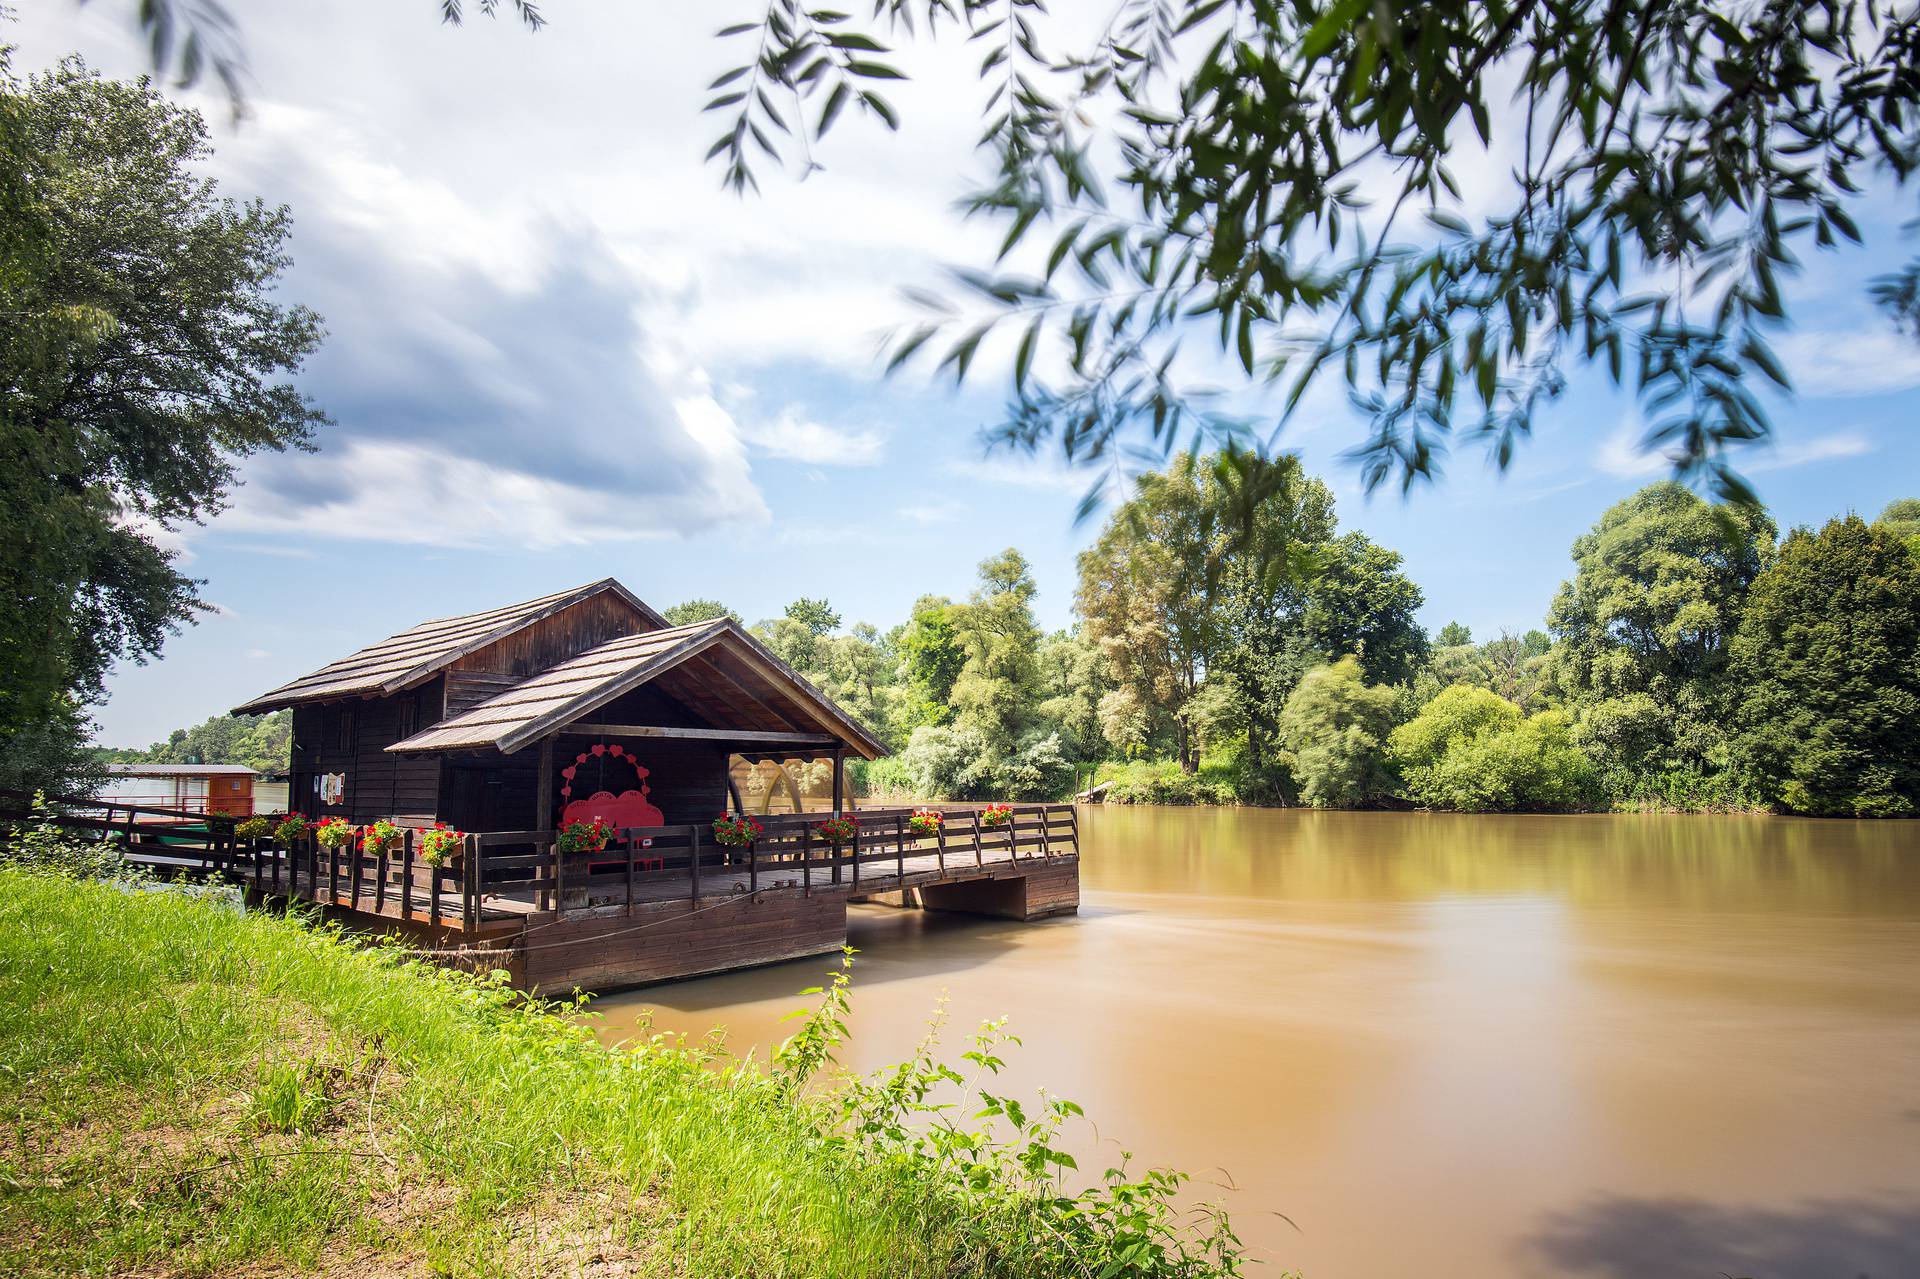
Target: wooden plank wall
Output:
[(614, 949), (553, 640), (379, 785)]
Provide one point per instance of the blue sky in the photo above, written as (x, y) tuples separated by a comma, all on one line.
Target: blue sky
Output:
[(557, 352)]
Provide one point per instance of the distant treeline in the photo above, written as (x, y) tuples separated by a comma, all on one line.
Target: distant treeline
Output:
[(1232, 645)]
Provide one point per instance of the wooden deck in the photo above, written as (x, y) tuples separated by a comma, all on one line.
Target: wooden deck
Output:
[(657, 903)]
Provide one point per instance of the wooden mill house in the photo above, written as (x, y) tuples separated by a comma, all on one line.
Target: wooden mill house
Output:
[(509, 724)]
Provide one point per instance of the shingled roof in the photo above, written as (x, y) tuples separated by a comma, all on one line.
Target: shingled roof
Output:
[(416, 653), (553, 698)]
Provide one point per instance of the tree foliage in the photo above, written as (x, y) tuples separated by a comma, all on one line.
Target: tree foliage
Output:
[(260, 742), (144, 354), (1827, 659), (1253, 169), (1658, 589), (687, 612), (1336, 726)]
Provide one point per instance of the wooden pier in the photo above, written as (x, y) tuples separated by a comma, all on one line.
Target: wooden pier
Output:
[(657, 903)]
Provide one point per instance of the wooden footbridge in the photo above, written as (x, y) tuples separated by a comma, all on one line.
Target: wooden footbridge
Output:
[(657, 903)]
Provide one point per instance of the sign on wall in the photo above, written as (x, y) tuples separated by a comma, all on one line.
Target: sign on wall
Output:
[(331, 788)]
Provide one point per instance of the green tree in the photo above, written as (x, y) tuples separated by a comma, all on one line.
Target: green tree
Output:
[(1336, 727), (932, 658), (817, 616), (1658, 590), (1360, 602), (1828, 662), (144, 354), (260, 742), (1453, 635), (687, 612), (1201, 567), (1902, 519), (995, 692)]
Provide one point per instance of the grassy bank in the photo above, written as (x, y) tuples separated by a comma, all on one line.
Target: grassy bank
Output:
[(185, 1089)]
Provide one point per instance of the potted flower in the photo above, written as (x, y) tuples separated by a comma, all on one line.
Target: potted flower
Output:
[(258, 826), (926, 821), (994, 816), (838, 830), (378, 839), (440, 845), (333, 832), (291, 830), (736, 830), (583, 837)]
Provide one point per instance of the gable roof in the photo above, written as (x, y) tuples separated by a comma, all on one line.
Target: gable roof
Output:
[(416, 653), (553, 698)]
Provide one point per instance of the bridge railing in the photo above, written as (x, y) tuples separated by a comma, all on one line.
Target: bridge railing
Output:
[(638, 864)]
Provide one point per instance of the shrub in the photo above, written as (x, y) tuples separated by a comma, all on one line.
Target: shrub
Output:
[(1040, 771), (39, 844), (949, 763), (1471, 750), (1164, 782), (1335, 725)]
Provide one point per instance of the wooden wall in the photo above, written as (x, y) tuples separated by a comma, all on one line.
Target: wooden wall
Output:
[(680, 944), (351, 736), (1043, 890), (553, 640)]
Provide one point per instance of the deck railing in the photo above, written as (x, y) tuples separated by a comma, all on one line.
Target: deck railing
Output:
[(639, 865)]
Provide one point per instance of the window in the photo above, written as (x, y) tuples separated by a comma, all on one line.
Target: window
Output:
[(409, 716), (345, 740)]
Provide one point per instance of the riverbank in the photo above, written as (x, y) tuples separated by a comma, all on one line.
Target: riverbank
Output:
[(195, 1090)]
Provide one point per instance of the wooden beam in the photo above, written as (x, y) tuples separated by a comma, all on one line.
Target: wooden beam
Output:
[(543, 786), (746, 737)]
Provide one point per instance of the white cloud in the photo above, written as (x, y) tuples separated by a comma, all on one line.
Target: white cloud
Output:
[(425, 496), (1623, 455), (1823, 448), (256, 654), (938, 510), (1866, 361), (1031, 472), (797, 438)]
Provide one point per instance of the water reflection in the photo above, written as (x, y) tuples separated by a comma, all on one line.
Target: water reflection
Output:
[(1508, 1046)]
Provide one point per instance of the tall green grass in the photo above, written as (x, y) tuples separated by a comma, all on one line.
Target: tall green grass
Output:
[(189, 1089)]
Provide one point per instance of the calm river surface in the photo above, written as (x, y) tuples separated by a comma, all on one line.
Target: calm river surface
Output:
[(1616, 1046)]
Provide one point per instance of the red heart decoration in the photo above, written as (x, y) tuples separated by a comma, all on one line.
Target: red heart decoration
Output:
[(599, 748), (567, 773)]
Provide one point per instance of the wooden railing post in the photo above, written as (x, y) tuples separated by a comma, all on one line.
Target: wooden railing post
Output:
[(806, 861), (406, 877), (753, 866), (470, 872), (693, 861), (1073, 820), (382, 871), (629, 834), (474, 854), (900, 848), (940, 847), (854, 845), (559, 878), (1046, 833)]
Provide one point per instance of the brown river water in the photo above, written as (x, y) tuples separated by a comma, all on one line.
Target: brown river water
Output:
[(1625, 1047)]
